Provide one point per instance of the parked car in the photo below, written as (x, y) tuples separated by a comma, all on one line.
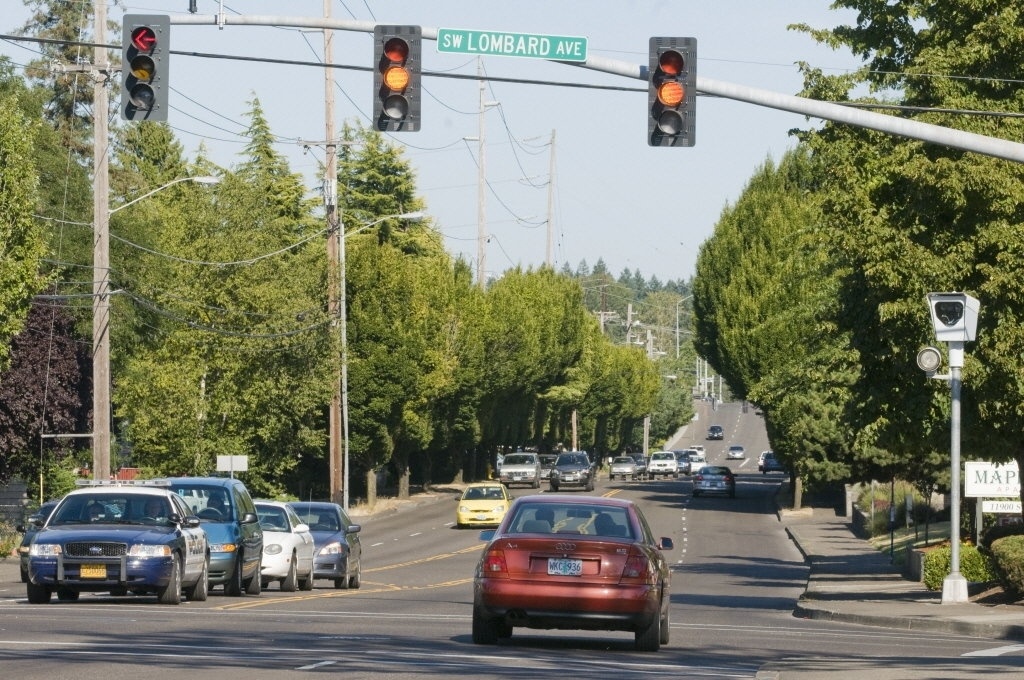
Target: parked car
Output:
[(547, 461), (32, 524), (716, 432), (482, 504), (287, 547), (228, 515), (760, 460), (520, 468), (736, 452), (572, 468), (771, 463), (662, 463), (714, 479), (339, 553), (123, 538), (586, 563), (622, 467)]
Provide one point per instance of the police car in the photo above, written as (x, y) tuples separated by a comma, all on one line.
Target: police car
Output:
[(121, 537)]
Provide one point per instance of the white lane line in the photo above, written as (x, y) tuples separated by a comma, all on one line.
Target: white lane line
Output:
[(996, 651), (316, 665)]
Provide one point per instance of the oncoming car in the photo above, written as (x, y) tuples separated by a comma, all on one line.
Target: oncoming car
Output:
[(287, 547), (482, 504), (573, 562), (339, 552), (124, 538)]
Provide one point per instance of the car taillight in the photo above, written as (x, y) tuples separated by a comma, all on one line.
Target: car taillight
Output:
[(494, 564), (638, 567), (699, 478)]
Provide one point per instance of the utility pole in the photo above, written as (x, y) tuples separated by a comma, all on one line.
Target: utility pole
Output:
[(338, 429), (100, 252)]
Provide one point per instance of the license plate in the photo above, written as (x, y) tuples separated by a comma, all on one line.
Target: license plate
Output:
[(93, 571), (560, 566)]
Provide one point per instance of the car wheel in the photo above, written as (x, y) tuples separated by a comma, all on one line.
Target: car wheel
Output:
[(485, 632), (341, 583), (554, 488), (233, 586), (696, 493), (649, 639), (290, 583), (306, 584), (201, 590), (24, 575), (67, 595), (590, 485), (171, 593), (536, 484), (356, 579), (37, 594), (255, 585), (118, 592), (663, 638)]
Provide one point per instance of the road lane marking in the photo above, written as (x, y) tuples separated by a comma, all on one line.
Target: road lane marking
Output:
[(996, 651)]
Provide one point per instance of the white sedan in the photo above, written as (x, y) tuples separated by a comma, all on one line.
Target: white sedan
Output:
[(736, 452), (287, 547)]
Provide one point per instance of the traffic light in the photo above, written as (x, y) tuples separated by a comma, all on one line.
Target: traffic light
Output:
[(396, 78), (672, 91), (145, 52)]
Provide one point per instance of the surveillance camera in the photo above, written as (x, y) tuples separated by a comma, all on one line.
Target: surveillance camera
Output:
[(954, 316)]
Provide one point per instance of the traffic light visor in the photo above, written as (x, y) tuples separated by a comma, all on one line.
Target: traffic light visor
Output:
[(144, 38)]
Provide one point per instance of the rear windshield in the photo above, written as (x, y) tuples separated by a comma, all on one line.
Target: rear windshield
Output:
[(571, 519)]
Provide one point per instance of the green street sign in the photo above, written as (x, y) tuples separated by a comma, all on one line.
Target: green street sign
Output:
[(496, 43)]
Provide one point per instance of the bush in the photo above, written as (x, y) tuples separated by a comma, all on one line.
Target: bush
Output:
[(1008, 561), (880, 500), (994, 533), (974, 566)]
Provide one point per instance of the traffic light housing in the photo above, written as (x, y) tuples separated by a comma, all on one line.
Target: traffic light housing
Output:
[(672, 91), (396, 78), (145, 45)]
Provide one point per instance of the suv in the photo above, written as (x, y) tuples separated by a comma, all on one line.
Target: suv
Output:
[(716, 432), (663, 463), (229, 517), (520, 468), (572, 468), (119, 537)]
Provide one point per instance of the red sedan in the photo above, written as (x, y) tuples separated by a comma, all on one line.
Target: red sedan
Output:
[(573, 563)]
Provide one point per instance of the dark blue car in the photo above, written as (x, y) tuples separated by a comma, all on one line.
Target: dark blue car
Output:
[(124, 538), (338, 552)]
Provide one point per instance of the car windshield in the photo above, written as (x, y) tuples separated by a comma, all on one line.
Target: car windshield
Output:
[(624, 459), (663, 456), (208, 502), (573, 519), (319, 517), (519, 460), (571, 459), (479, 493), (272, 517), (108, 508)]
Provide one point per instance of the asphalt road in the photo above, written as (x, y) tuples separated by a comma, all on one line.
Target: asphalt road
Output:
[(736, 580)]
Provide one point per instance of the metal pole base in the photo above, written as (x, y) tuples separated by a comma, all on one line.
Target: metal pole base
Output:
[(954, 589)]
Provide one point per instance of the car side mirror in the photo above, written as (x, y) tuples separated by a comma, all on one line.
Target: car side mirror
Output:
[(301, 528), (666, 543), (190, 522), (353, 529), (250, 518)]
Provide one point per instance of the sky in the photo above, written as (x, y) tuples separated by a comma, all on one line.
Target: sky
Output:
[(571, 160)]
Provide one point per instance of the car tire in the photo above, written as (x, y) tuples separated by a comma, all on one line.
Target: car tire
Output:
[(171, 593), (696, 493), (485, 631), (536, 484), (200, 591), (290, 583), (24, 576), (649, 639), (233, 586), (37, 594), (665, 628), (255, 584), (306, 584), (554, 488)]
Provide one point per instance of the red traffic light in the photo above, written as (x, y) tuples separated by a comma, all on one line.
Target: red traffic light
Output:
[(671, 62), (397, 50), (144, 39)]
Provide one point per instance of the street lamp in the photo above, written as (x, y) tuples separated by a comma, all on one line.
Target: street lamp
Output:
[(955, 321), (414, 216), (101, 324)]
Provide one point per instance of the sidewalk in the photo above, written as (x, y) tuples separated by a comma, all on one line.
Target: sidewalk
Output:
[(852, 582)]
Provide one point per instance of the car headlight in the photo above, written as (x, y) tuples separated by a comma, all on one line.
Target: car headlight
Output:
[(464, 508), (143, 550), (223, 547), (44, 550), (331, 549), (498, 508), (272, 549)]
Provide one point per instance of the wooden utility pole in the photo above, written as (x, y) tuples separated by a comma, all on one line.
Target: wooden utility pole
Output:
[(100, 252)]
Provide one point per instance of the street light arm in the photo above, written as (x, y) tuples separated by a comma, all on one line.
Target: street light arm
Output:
[(200, 180)]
